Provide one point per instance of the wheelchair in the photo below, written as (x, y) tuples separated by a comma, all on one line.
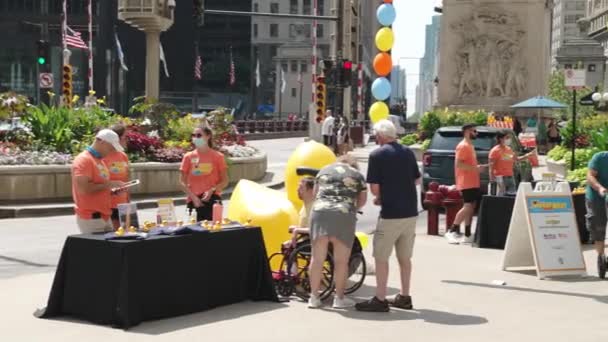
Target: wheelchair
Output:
[(292, 275)]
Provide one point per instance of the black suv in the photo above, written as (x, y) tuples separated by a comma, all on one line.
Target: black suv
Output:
[(438, 160)]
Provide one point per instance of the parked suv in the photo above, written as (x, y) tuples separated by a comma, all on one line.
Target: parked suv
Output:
[(438, 160)]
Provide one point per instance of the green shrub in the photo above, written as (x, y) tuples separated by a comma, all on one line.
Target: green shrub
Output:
[(578, 175), (599, 139), (426, 144), (557, 153), (409, 139), (429, 123), (180, 129)]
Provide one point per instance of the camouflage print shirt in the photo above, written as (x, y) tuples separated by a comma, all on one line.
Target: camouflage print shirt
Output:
[(339, 185)]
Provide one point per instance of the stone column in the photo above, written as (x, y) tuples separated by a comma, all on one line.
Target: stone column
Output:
[(152, 64)]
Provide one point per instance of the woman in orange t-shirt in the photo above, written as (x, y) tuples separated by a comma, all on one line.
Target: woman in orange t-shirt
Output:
[(204, 174), (118, 165), (502, 161)]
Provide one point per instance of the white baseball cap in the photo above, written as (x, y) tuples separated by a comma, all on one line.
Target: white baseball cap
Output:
[(111, 138)]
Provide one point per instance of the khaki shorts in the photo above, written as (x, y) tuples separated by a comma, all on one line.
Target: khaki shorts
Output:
[(94, 225), (399, 233)]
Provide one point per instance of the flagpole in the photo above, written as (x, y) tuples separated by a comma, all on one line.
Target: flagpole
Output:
[(90, 10), (64, 24), (301, 89), (281, 94)]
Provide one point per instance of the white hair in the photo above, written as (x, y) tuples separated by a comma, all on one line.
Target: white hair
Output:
[(386, 129)]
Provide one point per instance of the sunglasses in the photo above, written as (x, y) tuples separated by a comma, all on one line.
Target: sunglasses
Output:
[(197, 135)]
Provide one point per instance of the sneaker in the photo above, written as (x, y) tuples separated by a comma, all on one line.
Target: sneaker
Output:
[(467, 239), (343, 303), (373, 305), (452, 238), (314, 302), (402, 302)]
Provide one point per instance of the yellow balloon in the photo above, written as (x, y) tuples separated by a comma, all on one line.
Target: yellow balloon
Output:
[(363, 239), (266, 208), (308, 154), (378, 111), (385, 39)]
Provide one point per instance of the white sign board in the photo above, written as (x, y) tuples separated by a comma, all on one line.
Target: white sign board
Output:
[(45, 80), (543, 233), (575, 78)]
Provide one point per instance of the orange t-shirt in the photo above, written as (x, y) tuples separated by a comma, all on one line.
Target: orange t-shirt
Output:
[(466, 179), (503, 159), (87, 165), (203, 171), (118, 165)]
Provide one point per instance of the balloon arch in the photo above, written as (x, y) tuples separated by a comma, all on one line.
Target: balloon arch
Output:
[(383, 63)]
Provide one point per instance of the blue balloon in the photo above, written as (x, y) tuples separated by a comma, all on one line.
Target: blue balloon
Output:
[(386, 14), (381, 88)]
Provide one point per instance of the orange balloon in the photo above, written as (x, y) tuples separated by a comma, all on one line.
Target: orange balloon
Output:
[(388, 1), (383, 63)]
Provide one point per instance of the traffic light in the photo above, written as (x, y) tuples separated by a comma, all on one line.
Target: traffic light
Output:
[(329, 71), (321, 99), (42, 55), (345, 73), (67, 85)]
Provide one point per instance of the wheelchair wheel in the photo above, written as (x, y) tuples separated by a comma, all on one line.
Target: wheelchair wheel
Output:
[(357, 269), (283, 282), (298, 268), (277, 256)]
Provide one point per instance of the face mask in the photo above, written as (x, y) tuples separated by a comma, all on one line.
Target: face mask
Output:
[(199, 142)]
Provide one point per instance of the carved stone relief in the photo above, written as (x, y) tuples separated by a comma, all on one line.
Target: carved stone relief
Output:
[(489, 56)]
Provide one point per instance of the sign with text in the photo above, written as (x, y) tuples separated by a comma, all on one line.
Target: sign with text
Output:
[(575, 78), (543, 233), (45, 80)]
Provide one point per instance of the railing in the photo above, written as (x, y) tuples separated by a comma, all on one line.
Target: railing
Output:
[(274, 126)]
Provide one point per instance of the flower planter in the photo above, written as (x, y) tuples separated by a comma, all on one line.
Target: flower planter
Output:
[(45, 183), (418, 151), (559, 167)]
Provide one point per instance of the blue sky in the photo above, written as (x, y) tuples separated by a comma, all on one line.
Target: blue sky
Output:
[(409, 29)]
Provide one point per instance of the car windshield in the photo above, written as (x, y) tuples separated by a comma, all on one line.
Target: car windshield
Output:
[(448, 141)]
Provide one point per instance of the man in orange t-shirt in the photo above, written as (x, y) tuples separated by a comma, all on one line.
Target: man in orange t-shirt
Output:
[(91, 184), (118, 165), (467, 181)]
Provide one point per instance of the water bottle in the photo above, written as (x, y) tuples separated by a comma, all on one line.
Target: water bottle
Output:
[(218, 211)]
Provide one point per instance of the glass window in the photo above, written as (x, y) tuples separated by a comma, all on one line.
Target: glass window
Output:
[(591, 67), (256, 7), (273, 51), (303, 67), (255, 30), (448, 140), (321, 7), (292, 30), (293, 92), (306, 8), (284, 67), (274, 7), (320, 31), (294, 66), (307, 30), (274, 30), (293, 7), (568, 66)]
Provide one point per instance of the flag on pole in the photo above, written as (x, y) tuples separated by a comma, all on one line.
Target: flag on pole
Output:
[(162, 59), (74, 39), (283, 81), (198, 74), (232, 69), (258, 80), (121, 55)]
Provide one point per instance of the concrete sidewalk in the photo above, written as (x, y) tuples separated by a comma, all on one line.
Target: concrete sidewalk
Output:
[(453, 296)]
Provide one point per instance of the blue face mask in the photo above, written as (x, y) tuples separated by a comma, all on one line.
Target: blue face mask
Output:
[(199, 142)]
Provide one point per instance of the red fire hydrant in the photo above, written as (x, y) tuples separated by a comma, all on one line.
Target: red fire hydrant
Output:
[(432, 201), (453, 202)]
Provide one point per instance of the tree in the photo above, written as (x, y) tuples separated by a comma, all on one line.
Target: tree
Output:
[(559, 93)]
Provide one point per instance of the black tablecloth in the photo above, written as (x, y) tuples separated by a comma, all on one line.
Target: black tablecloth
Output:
[(123, 283), (495, 216)]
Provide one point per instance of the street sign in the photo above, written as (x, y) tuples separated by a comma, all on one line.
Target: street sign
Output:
[(45, 80), (587, 100), (575, 78)]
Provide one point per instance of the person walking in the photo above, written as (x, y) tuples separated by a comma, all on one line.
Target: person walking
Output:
[(392, 175), (502, 162), (118, 166), (327, 129), (554, 135), (92, 186), (204, 174), (468, 182), (340, 193), (595, 199)]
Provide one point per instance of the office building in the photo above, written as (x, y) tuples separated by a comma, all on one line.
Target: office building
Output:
[(426, 96), (565, 15)]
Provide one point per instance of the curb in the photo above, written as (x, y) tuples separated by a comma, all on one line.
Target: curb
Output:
[(8, 212)]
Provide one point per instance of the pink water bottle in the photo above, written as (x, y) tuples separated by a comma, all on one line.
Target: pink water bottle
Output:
[(218, 210)]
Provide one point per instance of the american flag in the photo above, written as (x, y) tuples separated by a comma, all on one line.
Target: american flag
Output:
[(232, 70), (197, 68), (74, 39)]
